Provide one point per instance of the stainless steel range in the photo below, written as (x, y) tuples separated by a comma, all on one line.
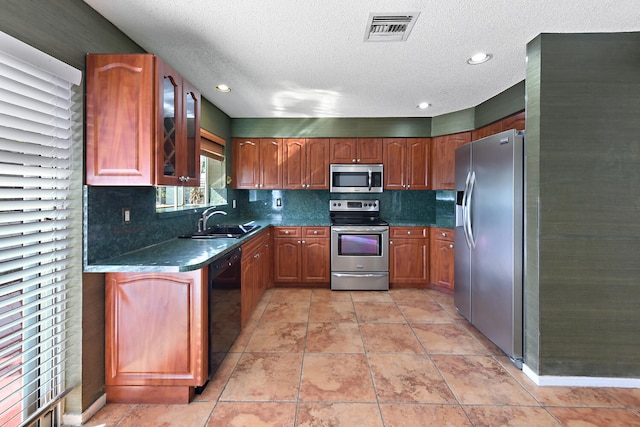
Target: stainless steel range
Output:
[(359, 246)]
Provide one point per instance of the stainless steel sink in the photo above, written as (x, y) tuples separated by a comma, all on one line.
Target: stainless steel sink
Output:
[(223, 231)]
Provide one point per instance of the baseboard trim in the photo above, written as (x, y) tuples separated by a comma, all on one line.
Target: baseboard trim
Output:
[(80, 419), (568, 381)]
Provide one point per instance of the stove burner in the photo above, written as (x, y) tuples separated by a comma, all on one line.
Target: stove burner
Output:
[(355, 212)]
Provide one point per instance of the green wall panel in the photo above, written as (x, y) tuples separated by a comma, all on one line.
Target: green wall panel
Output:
[(458, 121), (331, 127), (215, 120), (589, 227), (504, 104)]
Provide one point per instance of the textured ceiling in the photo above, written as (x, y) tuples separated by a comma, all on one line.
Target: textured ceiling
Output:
[(308, 58)]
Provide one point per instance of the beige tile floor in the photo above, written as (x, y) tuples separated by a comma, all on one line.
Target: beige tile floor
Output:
[(313, 357)]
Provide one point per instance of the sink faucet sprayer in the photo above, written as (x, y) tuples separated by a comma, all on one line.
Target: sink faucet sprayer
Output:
[(202, 222)]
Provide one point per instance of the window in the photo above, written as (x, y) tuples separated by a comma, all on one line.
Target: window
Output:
[(212, 189), (35, 234)]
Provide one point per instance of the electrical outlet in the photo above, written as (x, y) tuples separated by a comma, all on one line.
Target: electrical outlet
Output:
[(233, 203), (126, 215), (278, 201)]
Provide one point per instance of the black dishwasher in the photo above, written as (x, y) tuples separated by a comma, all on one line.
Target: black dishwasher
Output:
[(224, 307)]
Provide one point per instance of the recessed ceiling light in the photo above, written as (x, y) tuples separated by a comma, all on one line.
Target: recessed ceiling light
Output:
[(479, 58), (423, 105), (223, 88)]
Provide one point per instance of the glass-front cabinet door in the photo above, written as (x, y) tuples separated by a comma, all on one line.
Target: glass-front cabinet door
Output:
[(192, 130), (178, 149), (169, 108)]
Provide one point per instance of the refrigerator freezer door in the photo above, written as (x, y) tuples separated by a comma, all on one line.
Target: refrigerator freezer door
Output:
[(462, 251), (496, 260)]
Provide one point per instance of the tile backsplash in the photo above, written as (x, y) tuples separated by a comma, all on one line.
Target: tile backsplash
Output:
[(107, 236)]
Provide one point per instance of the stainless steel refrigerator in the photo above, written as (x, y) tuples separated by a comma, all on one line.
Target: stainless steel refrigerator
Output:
[(489, 247)]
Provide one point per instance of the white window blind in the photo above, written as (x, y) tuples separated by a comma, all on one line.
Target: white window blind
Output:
[(35, 243)]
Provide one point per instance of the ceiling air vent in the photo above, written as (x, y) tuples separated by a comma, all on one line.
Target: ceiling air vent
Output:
[(390, 27)]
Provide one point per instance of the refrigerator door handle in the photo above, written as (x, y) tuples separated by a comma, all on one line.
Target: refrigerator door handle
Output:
[(469, 209), (465, 214)]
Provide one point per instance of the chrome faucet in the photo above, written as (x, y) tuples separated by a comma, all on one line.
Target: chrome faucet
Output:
[(202, 222)]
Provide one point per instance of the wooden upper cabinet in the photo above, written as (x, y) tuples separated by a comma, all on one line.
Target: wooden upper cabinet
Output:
[(444, 157), (369, 151), (270, 163), (246, 163), (395, 163), (406, 163), (514, 121), (356, 150), (257, 163), (142, 121), (490, 129), (305, 164)]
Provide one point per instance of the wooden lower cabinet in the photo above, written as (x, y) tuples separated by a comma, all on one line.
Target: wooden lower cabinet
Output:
[(257, 267), (409, 256), (442, 250), (301, 255), (156, 336)]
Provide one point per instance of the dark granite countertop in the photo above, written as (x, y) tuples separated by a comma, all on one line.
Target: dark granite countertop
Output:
[(180, 254)]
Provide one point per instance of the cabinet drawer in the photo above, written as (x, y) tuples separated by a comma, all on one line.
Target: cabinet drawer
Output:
[(315, 231), (442, 234), (288, 232), (409, 232)]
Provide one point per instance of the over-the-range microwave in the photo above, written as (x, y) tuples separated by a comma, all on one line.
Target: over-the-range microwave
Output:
[(356, 178)]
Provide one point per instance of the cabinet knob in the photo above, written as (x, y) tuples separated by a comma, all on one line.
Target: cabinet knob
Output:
[(256, 256), (408, 232), (444, 234), (451, 246), (286, 232), (186, 178), (257, 185), (315, 231), (307, 185), (304, 243), (358, 160), (299, 242), (391, 242), (302, 185), (353, 160), (408, 186)]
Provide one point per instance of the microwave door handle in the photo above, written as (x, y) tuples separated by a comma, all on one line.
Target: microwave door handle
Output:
[(369, 179)]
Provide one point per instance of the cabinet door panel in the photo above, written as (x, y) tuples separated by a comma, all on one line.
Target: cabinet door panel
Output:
[(315, 260), (191, 150), (343, 150), (246, 164), (515, 121), (293, 169), (442, 269), (271, 163), (286, 260), (369, 151), (156, 328), (444, 159), (120, 120), (418, 163), (395, 163), (490, 129), (317, 160), (408, 261)]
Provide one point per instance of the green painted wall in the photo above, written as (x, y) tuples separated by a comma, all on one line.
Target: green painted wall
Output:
[(327, 127), (505, 103), (582, 213)]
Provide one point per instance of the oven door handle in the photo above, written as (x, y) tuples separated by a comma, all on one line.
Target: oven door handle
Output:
[(360, 229), (369, 179), (359, 274)]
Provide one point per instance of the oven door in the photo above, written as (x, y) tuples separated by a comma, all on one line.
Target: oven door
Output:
[(359, 248)]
